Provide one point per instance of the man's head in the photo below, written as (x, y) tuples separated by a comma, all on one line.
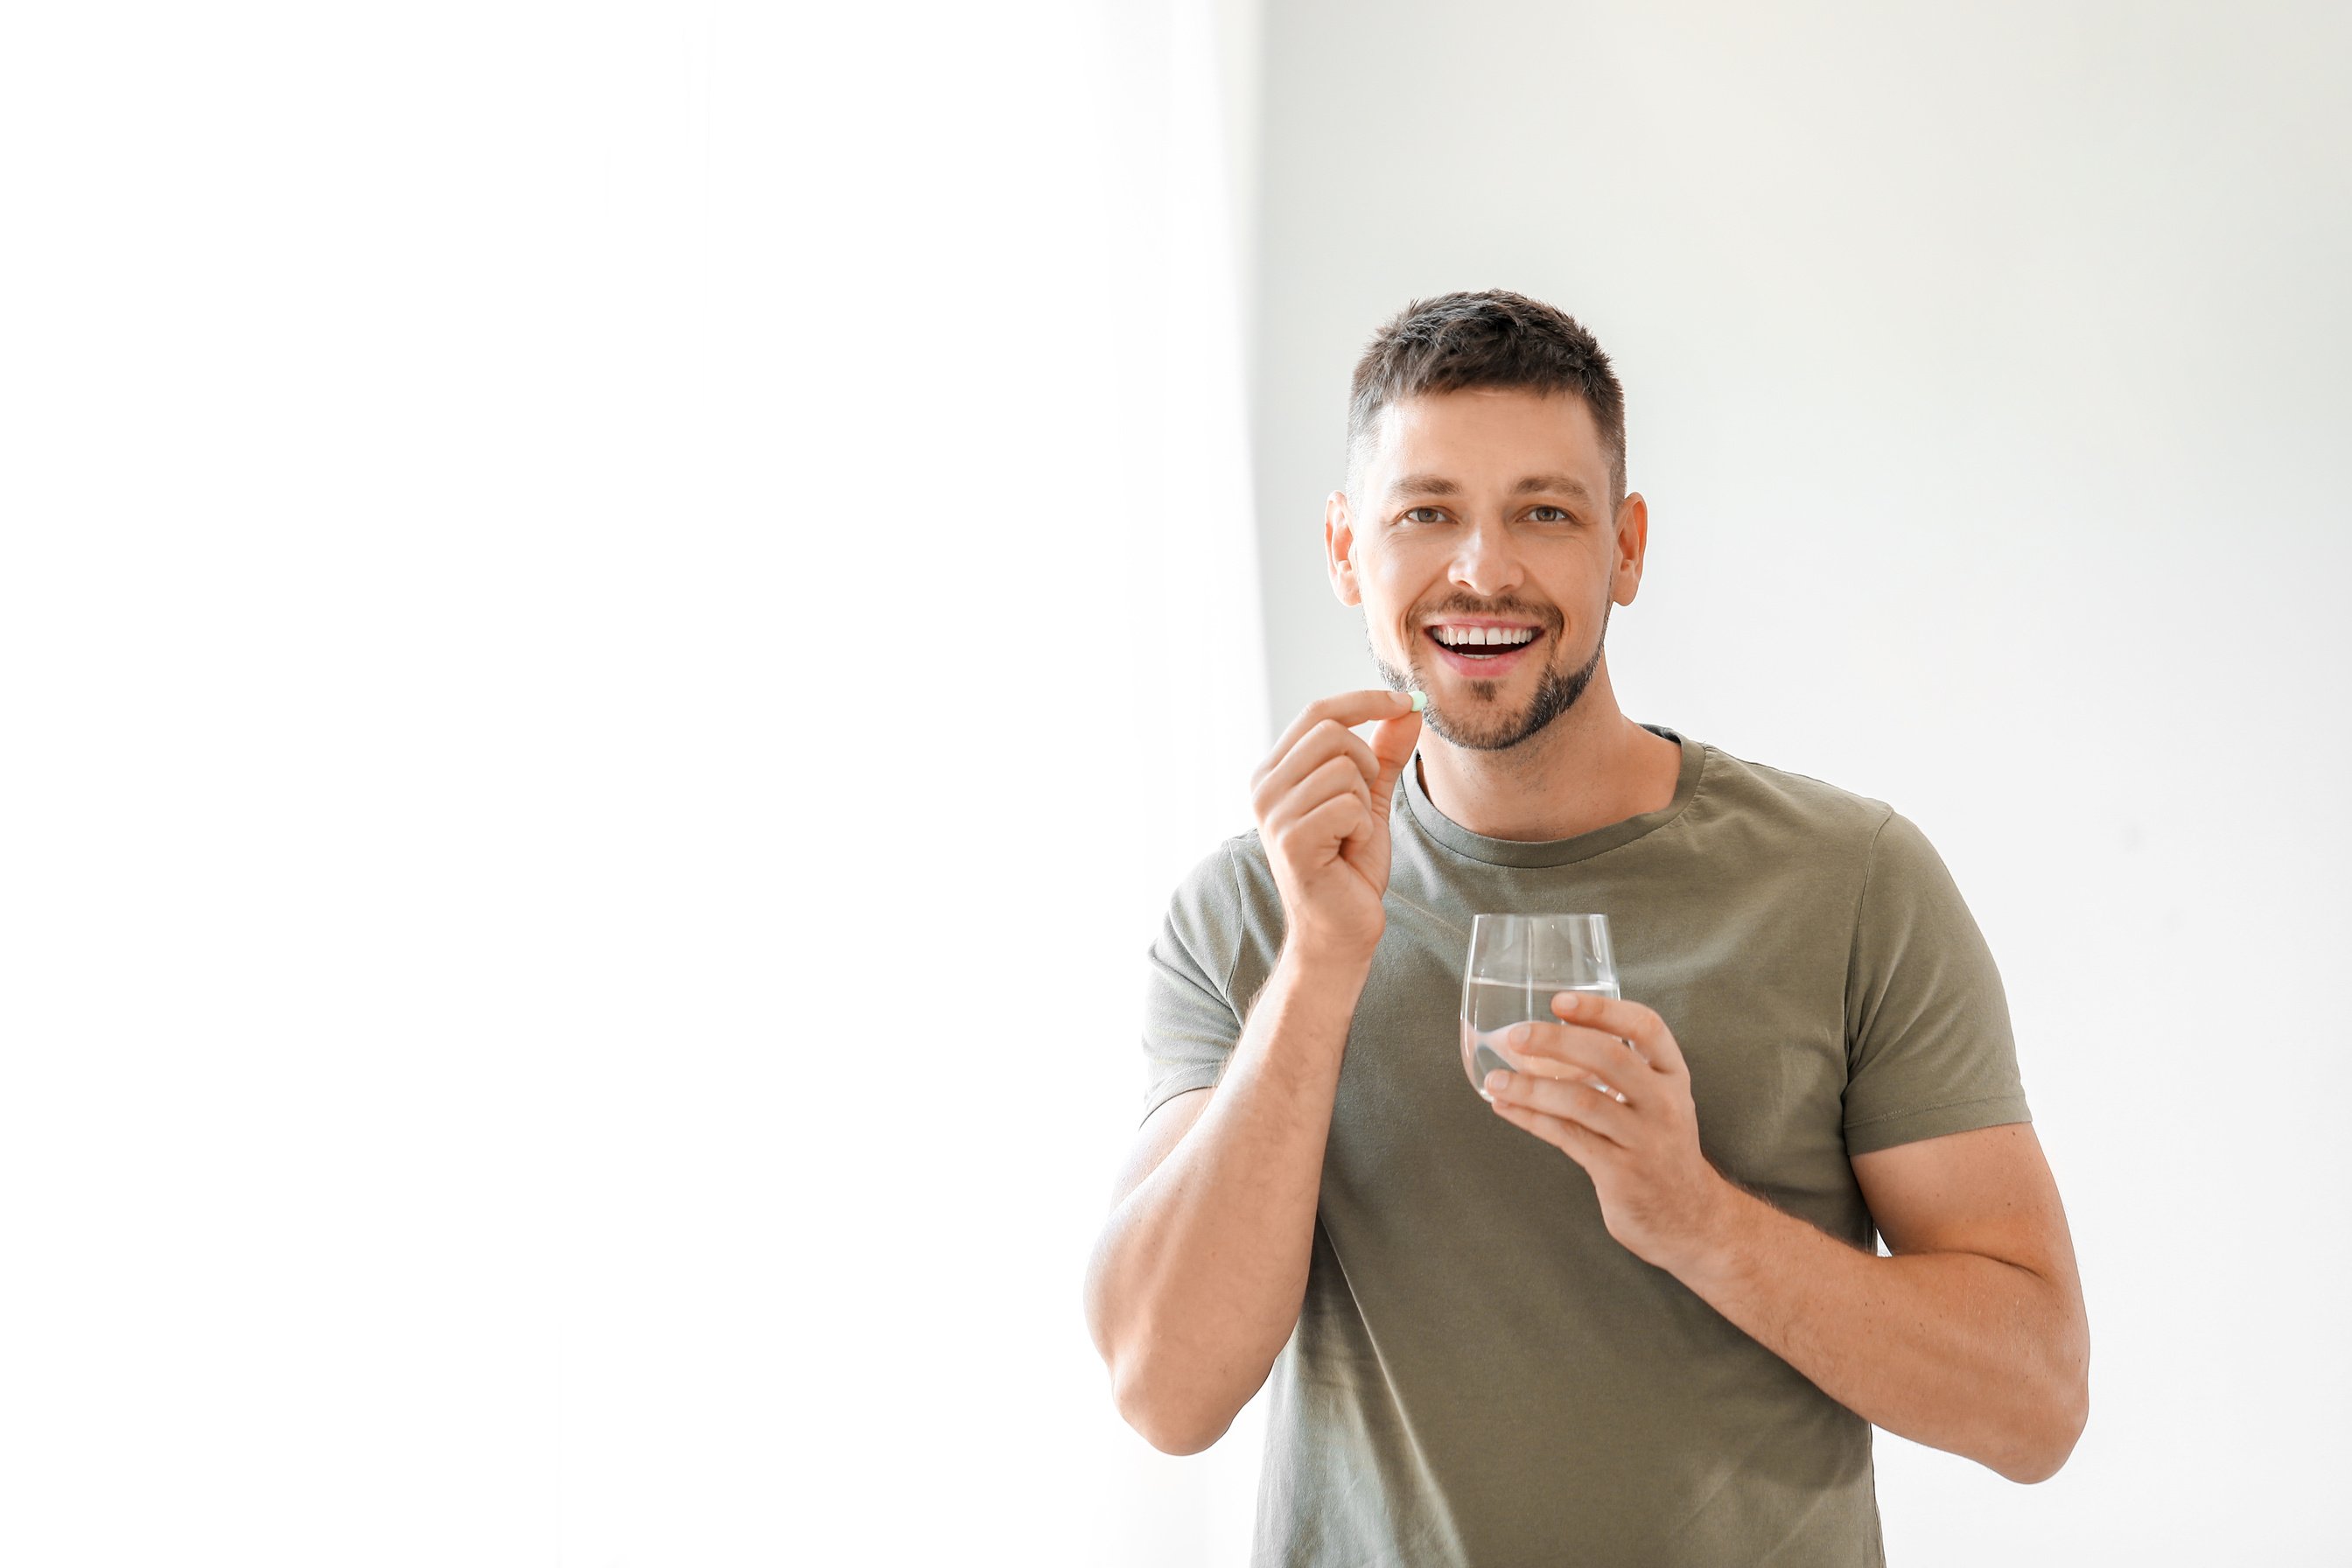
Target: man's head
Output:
[(1485, 505)]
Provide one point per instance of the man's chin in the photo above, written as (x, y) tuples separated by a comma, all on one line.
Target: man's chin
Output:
[(1465, 713), (1468, 713), (1484, 734)]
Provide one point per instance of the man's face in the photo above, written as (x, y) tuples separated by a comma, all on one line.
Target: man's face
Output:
[(1476, 535)]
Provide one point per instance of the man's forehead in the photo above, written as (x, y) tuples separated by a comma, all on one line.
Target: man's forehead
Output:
[(1439, 443)]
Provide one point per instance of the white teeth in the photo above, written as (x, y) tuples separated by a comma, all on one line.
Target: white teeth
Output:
[(1477, 637)]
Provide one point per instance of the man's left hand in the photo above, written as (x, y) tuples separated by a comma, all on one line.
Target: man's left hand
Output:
[(1638, 1138)]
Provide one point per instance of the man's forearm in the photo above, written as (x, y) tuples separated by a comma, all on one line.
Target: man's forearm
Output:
[(1963, 1352), (1201, 1271)]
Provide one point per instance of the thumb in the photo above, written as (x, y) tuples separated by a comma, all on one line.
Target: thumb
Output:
[(1393, 744)]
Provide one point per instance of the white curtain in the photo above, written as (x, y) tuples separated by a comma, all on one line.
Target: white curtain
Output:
[(616, 624)]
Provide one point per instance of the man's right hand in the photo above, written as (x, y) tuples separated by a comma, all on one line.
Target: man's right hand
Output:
[(1321, 797), (1196, 1282)]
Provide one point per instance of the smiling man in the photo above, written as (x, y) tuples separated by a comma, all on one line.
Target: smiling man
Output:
[(1633, 1312)]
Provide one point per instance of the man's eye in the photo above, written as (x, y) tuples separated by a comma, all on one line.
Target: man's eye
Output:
[(1425, 514), (1549, 514)]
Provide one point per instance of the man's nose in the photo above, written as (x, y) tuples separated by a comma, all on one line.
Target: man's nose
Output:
[(1486, 565)]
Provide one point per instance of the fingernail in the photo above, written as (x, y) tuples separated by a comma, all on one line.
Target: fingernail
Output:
[(1567, 1001), (1420, 700), (1497, 1082), (1520, 1033)]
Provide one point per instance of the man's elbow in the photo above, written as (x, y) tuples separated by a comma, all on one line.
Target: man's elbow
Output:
[(1140, 1388), (1171, 1431), (2046, 1450), (2061, 1404), (1180, 1441)]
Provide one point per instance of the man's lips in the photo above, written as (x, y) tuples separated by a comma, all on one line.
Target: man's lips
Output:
[(1494, 662)]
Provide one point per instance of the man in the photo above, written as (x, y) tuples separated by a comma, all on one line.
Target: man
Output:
[(1632, 1311)]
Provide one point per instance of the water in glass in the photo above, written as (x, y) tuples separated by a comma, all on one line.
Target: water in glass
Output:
[(1517, 963)]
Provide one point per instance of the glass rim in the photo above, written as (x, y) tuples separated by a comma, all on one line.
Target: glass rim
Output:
[(1504, 919), (1526, 950)]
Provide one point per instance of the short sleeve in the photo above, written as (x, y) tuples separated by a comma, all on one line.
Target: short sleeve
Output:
[(1191, 1022), (1929, 1049)]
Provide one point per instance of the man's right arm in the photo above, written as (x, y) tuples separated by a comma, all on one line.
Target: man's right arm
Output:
[(1196, 1282)]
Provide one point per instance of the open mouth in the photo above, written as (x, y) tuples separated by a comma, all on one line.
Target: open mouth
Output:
[(1485, 651)]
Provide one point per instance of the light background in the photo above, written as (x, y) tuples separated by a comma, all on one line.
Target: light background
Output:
[(615, 621), (1986, 379)]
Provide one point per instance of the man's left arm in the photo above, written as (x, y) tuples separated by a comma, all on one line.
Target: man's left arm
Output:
[(1972, 1338)]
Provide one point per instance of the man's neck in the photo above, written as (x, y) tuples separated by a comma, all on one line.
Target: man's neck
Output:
[(1590, 767)]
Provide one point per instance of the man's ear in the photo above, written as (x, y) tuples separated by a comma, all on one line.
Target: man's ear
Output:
[(1339, 548), (1632, 541)]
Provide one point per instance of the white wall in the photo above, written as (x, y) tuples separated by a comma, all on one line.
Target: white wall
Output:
[(615, 624), (1986, 372)]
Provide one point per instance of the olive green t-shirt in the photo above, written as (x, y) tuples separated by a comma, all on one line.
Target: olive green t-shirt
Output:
[(1480, 1374)]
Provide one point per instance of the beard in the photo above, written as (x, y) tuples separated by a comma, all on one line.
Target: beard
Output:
[(1481, 729)]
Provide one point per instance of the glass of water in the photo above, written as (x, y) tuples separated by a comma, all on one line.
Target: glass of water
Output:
[(1517, 964)]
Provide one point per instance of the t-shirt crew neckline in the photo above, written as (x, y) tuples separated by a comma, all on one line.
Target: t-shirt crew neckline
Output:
[(1435, 825)]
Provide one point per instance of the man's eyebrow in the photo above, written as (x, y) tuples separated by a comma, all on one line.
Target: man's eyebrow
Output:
[(1534, 484), (1557, 484), (1426, 485)]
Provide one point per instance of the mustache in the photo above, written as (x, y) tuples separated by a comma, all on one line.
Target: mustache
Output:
[(1542, 615)]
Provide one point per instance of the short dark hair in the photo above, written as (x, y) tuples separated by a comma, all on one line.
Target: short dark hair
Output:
[(1493, 338)]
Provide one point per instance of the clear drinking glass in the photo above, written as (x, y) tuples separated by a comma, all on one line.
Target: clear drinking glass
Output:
[(1517, 964)]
